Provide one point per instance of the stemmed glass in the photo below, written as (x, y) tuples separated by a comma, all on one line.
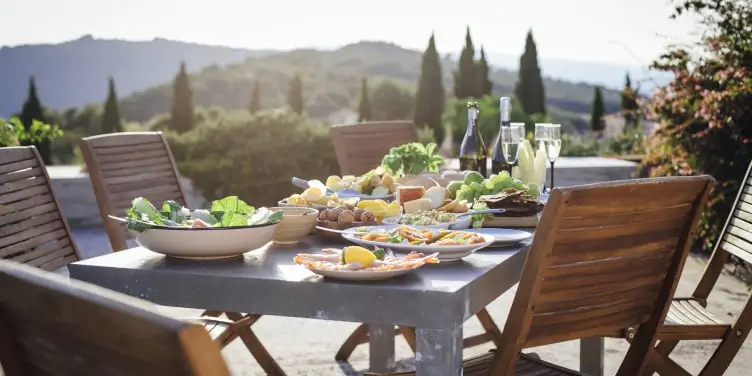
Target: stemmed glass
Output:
[(541, 137), (553, 146), (510, 138)]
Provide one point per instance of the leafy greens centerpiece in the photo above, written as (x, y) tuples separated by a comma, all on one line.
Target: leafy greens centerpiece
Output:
[(227, 212)]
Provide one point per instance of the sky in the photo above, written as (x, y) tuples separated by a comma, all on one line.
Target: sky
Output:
[(630, 32)]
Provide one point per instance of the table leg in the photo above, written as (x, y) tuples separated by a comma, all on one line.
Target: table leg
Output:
[(381, 347), (591, 356), (439, 352)]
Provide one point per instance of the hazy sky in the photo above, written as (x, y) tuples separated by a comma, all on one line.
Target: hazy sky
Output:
[(619, 31)]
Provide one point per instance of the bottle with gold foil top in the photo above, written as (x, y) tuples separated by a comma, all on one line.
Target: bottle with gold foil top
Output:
[(498, 161), (473, 152)]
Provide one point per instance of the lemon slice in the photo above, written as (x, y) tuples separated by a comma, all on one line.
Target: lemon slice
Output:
[(358, 254)]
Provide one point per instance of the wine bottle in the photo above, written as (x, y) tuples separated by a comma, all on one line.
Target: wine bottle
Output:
[(498, 161), (473, 152)]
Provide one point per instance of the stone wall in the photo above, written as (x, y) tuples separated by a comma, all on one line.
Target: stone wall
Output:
[(76, 196), (79, 205)]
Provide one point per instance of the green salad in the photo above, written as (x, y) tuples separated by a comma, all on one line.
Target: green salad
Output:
[(227, 212)]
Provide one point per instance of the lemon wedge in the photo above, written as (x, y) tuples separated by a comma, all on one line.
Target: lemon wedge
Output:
[(358, 254)]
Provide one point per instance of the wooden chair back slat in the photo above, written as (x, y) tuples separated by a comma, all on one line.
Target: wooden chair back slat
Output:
[(360, 147), (50, 325), (605, 257), (123, 166), (33, 229)]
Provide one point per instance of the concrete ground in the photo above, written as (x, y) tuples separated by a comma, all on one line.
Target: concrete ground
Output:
[(307, 347)]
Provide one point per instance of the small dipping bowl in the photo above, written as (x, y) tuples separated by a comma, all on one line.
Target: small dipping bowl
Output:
[(296, 223)]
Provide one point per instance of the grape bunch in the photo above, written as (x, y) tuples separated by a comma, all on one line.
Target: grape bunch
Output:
[(493, 185)]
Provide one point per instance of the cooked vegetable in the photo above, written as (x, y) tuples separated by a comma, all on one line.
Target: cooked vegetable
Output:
[(227, 212)]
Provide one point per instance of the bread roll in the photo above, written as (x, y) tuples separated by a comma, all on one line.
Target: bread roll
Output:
[(409, 193)]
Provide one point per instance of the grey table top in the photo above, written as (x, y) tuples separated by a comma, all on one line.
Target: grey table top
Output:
[(266, 281)]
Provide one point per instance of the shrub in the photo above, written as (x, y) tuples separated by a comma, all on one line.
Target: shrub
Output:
[(706, 122), (254, 156), (574, 146)]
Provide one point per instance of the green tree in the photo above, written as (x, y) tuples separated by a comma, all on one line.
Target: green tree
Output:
[(465, 83), (255, 103), (390, 101), (111, 121), (32, 110), (630, 109), (482, 70), (429, 100), (364, 107), (529, 87), (295, 94), (183, 114), (599, 109)]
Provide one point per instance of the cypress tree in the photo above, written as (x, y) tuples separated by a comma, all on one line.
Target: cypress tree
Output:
[(599, 109), (183, 114), (111, 122), (255, 104), (465, 83), (295, 94), (482, 73), (364, 107), (629, 105), (529, 89), (429, 100), (32, 110)]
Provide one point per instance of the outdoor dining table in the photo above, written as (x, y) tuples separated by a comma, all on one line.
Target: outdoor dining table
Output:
[(435, 299)]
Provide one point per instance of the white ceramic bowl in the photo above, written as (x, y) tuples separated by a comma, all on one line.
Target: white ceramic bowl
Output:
[(460, 224), (206, 243)]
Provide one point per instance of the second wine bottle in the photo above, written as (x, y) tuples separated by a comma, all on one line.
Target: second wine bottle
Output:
[(473, 152), (499, 162)]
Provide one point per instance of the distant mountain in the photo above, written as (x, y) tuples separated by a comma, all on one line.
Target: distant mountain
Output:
[(75, 73), (604, 74)]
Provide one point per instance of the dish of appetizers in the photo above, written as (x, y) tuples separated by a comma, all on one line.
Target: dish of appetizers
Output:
[(451, 245), (430, 219), (361, 264), (375, 184)]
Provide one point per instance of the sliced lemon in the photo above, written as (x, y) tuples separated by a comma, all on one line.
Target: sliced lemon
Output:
[(358, 254)]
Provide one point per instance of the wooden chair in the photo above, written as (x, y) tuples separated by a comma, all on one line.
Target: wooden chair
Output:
[(123, 166), (361, 147), (688, 320), (33, 230), (604, 258), (52, 326)]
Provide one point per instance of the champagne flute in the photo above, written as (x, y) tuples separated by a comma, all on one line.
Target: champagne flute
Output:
[(541, 135), (510, 139), (553, 146)]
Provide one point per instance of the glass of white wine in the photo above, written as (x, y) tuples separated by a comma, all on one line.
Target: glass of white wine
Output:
[(510, 138), (541, 136), (553, 146)]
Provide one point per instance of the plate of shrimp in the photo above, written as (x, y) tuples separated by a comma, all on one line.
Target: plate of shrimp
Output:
[(363, 265), (450, 245)]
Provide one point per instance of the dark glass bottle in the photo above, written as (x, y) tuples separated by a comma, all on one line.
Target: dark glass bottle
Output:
[(473, 152), (498, 162)]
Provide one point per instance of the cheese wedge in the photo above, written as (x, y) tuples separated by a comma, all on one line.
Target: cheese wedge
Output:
[(409, 193), (414, 206), (436, 195)]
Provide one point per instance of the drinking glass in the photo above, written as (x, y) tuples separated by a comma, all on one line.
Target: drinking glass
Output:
[(541, 135), (553, 146), (510, 138)]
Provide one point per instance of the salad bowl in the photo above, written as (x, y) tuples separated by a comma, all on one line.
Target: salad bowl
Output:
[(230, 228)]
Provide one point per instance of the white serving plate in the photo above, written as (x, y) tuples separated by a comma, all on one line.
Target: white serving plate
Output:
[(360, 275), (460, 224), (504, 236), (205, 243), (446, 252)]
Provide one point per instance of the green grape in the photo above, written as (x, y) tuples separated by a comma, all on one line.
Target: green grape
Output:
[(476, 187), (489, 184), (493, 177), (507, 184), (487, 191), (498, 187), (518, 184), (504, 175), (533, 192), (471, 196)]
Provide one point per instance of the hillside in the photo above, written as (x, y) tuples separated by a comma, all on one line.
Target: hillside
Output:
[(331, 81), (75, 73)]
